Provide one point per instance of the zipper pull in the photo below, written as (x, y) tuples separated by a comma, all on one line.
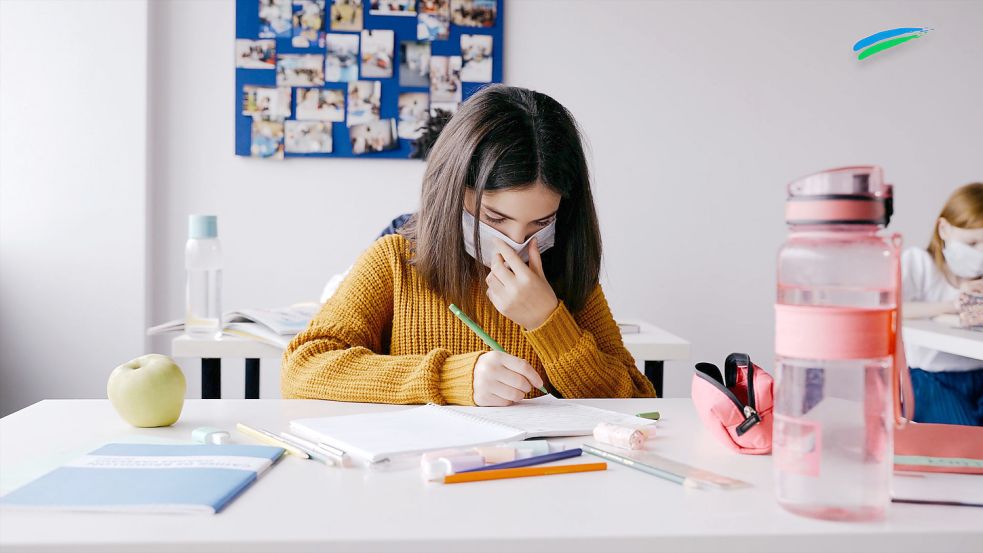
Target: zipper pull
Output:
[(751, 418)]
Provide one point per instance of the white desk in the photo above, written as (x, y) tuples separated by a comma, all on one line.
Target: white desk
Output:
[(652, 345), (943, 337), (303, 506)]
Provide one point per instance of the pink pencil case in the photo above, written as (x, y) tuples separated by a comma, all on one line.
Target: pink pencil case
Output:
[(736, 405)]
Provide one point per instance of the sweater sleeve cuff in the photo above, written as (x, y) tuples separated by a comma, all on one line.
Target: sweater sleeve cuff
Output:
[(457, 378), (556, 336)]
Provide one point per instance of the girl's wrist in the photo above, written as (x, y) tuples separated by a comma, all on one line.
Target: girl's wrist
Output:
[(541, 318)]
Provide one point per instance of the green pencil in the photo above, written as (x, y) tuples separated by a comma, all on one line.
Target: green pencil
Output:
[(482, 334)]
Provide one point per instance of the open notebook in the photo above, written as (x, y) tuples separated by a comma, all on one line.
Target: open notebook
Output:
[(376, 437)]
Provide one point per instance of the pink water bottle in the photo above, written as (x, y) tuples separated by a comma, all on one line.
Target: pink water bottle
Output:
[(835, 338)]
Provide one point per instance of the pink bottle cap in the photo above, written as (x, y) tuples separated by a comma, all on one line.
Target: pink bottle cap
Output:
[(842, 196)]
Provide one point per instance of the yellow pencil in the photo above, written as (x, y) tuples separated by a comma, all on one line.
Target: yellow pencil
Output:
[(271, 439), (521, 472)]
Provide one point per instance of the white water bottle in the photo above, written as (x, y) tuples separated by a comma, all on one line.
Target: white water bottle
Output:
[(203, 261)]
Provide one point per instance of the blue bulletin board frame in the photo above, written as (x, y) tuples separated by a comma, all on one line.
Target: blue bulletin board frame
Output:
[(404, 27)]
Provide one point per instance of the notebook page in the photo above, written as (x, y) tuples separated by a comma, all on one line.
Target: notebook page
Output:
[(378, 436), (963, 489), (547, 416)]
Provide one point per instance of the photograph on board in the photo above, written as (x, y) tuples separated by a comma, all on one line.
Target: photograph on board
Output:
[(473, 13), (445, 79), (414, 63), (377, 53), (364, 101), (255, 54), (341, 62), (266, 140), (320, 104), (308, 23), (374, 136), (307, 137), (476, 55), (414, 111), (346, 15), (300, 70), (274, 18), (266, 103), (434, 20), (393, 7)]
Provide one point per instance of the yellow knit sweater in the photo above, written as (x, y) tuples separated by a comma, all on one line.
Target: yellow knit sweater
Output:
[(386, 337)]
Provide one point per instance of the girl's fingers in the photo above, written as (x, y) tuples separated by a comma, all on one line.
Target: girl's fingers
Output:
[(512, 259), (491, 400), (506, 392), (493, 281), (514, 380), (503, 273), (535, 261), (523, 368)]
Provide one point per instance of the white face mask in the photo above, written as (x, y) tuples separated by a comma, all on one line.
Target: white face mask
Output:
[(964, 260), (545, 238)]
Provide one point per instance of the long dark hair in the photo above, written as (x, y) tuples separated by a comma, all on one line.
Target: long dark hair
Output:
[(506, 137)]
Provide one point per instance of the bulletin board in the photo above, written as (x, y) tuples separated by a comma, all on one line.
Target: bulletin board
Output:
[(296, 62)]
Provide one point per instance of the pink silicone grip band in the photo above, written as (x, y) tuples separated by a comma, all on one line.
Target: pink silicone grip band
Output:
[(817, 332), (834, 210)]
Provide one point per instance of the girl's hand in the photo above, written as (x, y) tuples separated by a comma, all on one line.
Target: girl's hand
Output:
[(501, 379), (972, 286), (519, 291)]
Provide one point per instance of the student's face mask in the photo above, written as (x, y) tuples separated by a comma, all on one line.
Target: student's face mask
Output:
[(964, 260), (545, 238)]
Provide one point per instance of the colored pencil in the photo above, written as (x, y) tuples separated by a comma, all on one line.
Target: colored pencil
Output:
[(521, 472), (531, 461)]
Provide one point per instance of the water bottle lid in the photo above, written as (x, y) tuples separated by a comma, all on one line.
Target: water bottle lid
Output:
[(202, 226), (841, 196)]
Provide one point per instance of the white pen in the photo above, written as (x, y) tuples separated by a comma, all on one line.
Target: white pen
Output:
[(332, 455)]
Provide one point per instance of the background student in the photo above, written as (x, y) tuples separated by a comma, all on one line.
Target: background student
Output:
[(948, 388)]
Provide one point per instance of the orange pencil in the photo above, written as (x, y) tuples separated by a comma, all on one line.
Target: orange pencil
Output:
[(520, 472)]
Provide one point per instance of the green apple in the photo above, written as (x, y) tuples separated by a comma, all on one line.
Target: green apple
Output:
[(148, 391)]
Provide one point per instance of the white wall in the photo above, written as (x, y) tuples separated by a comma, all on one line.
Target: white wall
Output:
[(73, 94), (285, 227), (698, 114)]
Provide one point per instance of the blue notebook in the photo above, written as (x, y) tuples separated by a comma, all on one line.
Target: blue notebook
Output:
[(148, 478)]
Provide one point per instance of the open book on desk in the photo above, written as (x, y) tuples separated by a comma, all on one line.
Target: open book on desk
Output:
[(274, 326), (376, 437)]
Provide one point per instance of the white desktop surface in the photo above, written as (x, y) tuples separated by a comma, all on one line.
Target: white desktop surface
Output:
[(943, 337), (304, 506)]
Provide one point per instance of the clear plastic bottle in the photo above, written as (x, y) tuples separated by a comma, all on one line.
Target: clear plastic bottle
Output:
[(203, 261), (835, 333)]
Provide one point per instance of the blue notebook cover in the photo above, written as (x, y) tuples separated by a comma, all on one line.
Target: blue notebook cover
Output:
[(148, 478)]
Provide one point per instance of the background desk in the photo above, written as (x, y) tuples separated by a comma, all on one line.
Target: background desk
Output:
[(652, 346), (943, 337), (303, 506)]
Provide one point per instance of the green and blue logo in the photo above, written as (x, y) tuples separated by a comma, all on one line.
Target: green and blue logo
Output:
[(878, 42)]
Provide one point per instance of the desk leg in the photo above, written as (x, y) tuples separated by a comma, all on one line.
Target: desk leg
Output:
[(252, 378), (211, 378), (654, 372)]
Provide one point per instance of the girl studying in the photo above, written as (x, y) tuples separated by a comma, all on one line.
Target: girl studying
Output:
[(508, 232), (948, 388)]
